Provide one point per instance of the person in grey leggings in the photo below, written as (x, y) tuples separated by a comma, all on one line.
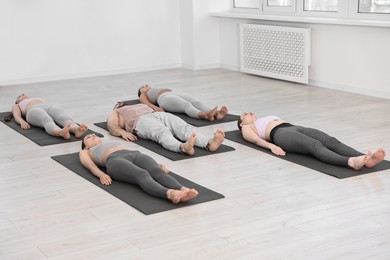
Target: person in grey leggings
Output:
[(280, 137), (170, 131), (34, 111), (131, 167), (167, 100)]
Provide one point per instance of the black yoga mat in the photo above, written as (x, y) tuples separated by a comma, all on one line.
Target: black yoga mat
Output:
[(155, 147), (38, 135), (309, 161), (132, 194), (194, 121)]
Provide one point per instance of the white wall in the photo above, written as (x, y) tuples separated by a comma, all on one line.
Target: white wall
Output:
[(349, 58), (54, 39), (58, 39), (200, 33)]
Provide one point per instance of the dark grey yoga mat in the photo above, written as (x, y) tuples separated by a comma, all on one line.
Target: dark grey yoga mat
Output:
[(38, 135), (309, 161), (155, 147), (132, 194), (194, 121)]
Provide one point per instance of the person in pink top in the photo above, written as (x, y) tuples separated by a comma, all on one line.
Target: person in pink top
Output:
[(280, 137), (34, 111), (170, 131)]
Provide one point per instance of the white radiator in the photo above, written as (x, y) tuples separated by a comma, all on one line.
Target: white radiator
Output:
[(275, 51)]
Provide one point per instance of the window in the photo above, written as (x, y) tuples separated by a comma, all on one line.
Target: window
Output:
[(246, 3), (347, 12), (279, 3), (321, 5), (374, 6)]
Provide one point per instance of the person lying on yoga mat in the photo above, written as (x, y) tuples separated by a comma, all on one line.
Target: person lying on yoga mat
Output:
[(275, 134), (131, 167), (166, 100), (34, 111), (168, 130)]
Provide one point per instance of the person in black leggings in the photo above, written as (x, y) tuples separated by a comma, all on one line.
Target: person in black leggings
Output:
[(132, 167), (275, 134)]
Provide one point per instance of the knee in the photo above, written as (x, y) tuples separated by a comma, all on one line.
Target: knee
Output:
[(333, 142), (316, 146)]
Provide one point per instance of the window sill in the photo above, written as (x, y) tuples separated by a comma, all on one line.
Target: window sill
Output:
[(306, 19)]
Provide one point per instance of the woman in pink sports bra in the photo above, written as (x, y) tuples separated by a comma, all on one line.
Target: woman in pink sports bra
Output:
[(34, 111), (280, 137)]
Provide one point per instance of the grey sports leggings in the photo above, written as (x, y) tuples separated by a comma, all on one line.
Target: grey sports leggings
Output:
[(167, 129), (298, 139), (137, 168), (187, 104), (46, 116)]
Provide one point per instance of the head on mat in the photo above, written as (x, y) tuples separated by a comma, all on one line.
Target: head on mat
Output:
[(20, 98), (89, 141), (245, 118), (143, 89)]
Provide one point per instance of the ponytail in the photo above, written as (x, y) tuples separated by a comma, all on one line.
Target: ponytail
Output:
[(8, 117)]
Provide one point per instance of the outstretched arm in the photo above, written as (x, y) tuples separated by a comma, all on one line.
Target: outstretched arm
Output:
[(145, 100), (17, 113), (116, 130), (252, 137), (86, 161)]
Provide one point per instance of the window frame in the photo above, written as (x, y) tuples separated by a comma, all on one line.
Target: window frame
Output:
[(348, 9), (354, 12), (279, 9), (342, 10)]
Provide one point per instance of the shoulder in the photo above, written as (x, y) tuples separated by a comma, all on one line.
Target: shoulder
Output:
[(249, 131), (16, 108), (113, 115), (85, 154)]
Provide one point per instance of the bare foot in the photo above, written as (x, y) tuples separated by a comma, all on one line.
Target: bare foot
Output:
[(222, 113), (176, 195), (65, 132), (359, 161), (209, 115), (188, 147), (217, 140), (81, 130), (191, 193), (376, 158)]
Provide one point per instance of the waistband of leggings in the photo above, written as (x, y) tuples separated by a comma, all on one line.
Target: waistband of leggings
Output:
[(273, 131)]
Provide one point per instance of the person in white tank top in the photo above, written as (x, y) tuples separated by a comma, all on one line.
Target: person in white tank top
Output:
[(280, 137)]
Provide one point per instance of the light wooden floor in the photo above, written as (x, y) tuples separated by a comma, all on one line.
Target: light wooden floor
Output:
[(273, 209)]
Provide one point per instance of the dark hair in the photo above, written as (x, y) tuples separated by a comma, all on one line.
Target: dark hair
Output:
[(82, 145), (120, 104), (239, 121), (139, 92), (8, 117)]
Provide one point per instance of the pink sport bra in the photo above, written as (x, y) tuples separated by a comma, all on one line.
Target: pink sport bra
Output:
[(22, 104), (261, 124)]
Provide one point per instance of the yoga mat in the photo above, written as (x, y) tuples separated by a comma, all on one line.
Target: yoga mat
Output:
[(132, 194), (38, 135), (194, 121), (157, 148), (309, 161)]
